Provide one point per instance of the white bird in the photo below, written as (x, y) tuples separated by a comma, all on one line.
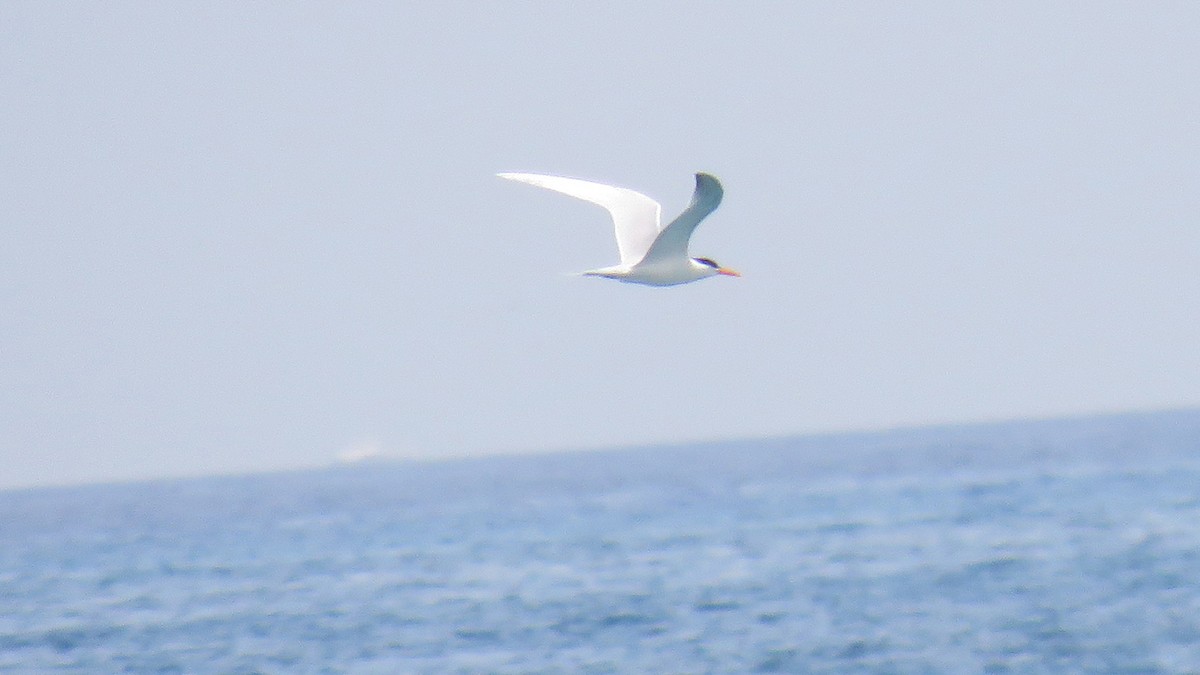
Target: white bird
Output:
[(650, 253)]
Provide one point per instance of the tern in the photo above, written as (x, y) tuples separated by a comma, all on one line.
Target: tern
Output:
[(650, 253)]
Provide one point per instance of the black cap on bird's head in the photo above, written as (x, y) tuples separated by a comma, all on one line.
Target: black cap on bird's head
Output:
[(713, 264)]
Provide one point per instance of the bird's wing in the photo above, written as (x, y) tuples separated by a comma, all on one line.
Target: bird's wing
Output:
[(672, 242), (635, 216)]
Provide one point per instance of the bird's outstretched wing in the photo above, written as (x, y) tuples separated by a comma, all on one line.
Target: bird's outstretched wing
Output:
[(672, 242), (635, 216)]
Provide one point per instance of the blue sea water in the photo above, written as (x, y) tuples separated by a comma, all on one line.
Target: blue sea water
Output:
[(1040, 547)]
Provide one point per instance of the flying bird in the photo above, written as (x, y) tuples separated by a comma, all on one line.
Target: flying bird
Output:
[(650, 253)]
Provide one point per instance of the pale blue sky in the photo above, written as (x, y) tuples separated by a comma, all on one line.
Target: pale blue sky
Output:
[(246, 236)]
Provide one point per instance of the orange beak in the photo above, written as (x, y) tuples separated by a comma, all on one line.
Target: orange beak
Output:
[(728, 272)]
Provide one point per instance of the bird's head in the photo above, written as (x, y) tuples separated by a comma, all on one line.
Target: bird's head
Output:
[(716, 269)]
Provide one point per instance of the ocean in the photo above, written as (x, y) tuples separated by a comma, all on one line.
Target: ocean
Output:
[(1062, 546)]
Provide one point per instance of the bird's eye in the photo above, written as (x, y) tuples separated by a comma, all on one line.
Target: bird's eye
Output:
[(706, 261)]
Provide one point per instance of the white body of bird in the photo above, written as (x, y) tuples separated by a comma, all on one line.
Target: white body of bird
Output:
[(650, 253)]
